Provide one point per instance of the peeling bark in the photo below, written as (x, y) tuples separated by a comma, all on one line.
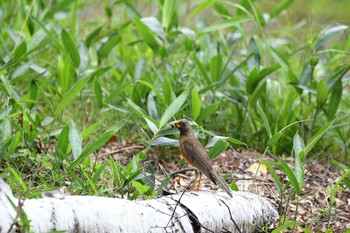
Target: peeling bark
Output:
[(189, 212)]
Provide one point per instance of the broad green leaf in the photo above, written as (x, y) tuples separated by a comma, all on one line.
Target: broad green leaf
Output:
[(91, 148), (234, 186), (154, 88), (140, 187), (6, 130), (77, 87), (136, 109), (201, 68), (20, 51), (98, 173), (259, 91), (67, 74), (196, 104), (155, 26), (164, 141), (298, 145), (107, 46), (284, 228), (328, 34), (233, 141), (272, 140), (34, 93), (279, 7), (233, 22), (118, 126), (169, 14), (98, 93), (89, 130), (335, 99), (265, 121), (218, 148), (276, 179), (322, 93), (208, 111), (173, 108), (93, 36), (152, 106), (291, 176), (299, 170), (252, 81), (147, 35), (168, 92), (70, 48), (153, 127), (63, 141), (75, 140), (216, 67), (18, 179), (14, 143), (317, 136), (201, 7)]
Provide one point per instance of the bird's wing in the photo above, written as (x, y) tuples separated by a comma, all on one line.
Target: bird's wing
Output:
[(196, 153)]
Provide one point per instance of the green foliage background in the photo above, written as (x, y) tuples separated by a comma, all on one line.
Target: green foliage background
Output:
[(74, 73)]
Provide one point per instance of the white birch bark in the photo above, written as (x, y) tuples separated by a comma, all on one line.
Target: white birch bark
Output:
[(190, 212)]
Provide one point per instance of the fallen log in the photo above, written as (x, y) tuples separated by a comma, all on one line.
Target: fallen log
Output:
[(189, 212)]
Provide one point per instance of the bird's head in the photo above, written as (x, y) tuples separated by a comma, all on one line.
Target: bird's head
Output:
[(183, 125)]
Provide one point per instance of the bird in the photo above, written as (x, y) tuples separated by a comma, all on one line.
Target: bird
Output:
[(195, 155)]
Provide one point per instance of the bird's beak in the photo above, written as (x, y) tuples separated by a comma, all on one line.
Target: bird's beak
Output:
[(174, 124)]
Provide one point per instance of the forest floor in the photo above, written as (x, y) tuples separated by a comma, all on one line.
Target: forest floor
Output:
[(311, 212)]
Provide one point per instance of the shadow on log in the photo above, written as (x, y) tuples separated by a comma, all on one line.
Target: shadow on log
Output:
[(189, 212)]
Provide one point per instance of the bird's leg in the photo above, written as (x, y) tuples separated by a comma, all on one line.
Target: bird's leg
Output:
[(197, 181)]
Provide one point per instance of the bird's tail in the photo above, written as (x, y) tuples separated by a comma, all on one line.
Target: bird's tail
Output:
[(220, 181)]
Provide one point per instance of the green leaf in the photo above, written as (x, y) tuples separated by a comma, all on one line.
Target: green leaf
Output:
[(93, 36), (317, 136), (208, 111), (234, 186), (276, 179), (107, 46), (147, 35), (284, 228), (91, 148), (67, 76), (140, 187), (14, 143), (18, 179), (265, 121), (78, 86), (98, 173), (322, 93), (34, 93), (328, 34), (63, 141), (70, 48), (272, 140), (216, 67), (201, 7), (169, 13), (173, 108), (281, 6), (299, 170), (153, 127), (86, 132), (291, 176), (218, 148), (335, 99), (216, 138), (196, 104), (298, 145), (233, 22), (98, 93), (201, 68), (6, 130), (164, 141), (168, 92), (20, 51), (75, 140), (252, 80)]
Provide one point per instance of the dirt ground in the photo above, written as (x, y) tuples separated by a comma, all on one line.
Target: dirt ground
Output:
[(242, 167)]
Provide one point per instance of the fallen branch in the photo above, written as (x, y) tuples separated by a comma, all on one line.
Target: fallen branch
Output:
[(191, 212)]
